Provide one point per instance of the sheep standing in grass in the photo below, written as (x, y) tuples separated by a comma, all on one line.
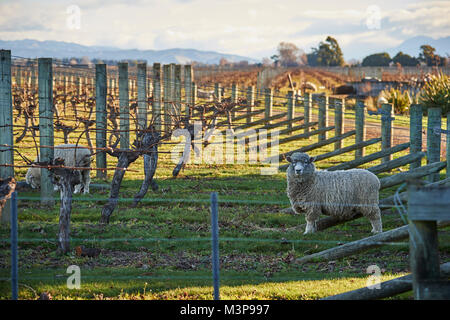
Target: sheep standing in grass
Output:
[(74, 156), (340, 194)]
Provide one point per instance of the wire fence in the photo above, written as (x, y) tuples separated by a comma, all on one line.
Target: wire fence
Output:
[(75, 114)]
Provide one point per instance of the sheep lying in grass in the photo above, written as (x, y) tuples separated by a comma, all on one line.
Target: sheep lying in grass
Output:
[(68, 152), (340, 194)]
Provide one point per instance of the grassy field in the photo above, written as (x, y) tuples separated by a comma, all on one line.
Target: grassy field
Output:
[(161, 249)]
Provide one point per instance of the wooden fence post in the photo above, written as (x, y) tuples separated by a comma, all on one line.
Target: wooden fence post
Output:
[(156, 105), (447, 175), (142, 95), (188, 78), (46, 138), (177, 90), (250, 102), (323, 116), (194, 93), (423, 238), (6, 126), (124, 106), (307, 105), (167, 97), (290, 108), (217, 92), (100, 118), (386, 129), (268, 103), (234, 98), (433, 140), (415, 132), (359, 127), (339, 111)]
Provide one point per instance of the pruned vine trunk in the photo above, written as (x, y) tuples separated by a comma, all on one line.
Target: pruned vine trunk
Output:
[(125, 159), (150, 164), (147, 145)]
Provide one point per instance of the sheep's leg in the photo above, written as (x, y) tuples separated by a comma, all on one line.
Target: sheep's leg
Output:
[(311, 221), (377, 225), (310, 226)]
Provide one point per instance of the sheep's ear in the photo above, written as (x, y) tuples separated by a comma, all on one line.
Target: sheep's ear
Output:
[(312, 159), (288, 158)]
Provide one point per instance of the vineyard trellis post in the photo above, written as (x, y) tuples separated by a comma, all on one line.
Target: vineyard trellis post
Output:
[(6, 125), (100, 120), (234, 98), (250, 103), (215, 244), (386, 129), (433, 140), (177, 90), (194, 93), (188, 78), (217, 92), (268, 101), (46, 137), (360, 128), (124, 106), (156, 104), (323, 116), (142, 95), (415, 132), (167, 96)]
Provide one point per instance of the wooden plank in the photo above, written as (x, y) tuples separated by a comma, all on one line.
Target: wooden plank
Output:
[(396, 163), (303, 135), (387, 288), (429, 204), (413, 174), (316, 145), (357, 162), (361, 245), (347, 149)]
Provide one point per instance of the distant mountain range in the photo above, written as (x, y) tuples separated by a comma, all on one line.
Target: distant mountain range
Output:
[(60, 49)]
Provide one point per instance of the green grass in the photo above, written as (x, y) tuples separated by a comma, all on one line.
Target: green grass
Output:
[(161, 249)]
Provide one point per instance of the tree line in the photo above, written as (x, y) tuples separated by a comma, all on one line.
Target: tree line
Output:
[(328, 53)]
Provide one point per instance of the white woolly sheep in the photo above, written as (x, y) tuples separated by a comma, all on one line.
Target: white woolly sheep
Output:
[(340, 194), (68, 152)]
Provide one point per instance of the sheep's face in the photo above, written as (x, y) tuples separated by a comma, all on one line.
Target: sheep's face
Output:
[(301, 163)]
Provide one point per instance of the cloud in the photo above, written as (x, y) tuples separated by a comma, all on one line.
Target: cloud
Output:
[(244, 27)]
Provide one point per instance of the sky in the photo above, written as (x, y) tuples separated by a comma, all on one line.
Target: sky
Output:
[(251, 28)]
